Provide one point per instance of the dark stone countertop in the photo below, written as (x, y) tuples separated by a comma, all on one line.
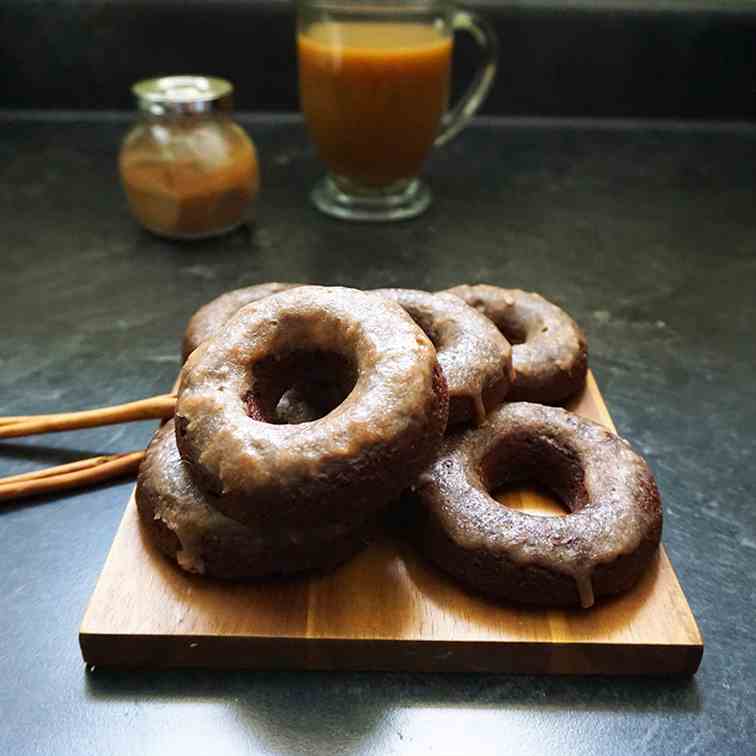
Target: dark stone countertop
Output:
[(647, 235)]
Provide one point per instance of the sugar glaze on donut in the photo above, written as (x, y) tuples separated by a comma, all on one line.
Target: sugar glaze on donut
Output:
[(600, 548), (474, 355), (211, 317), (339, 467), (549, 352), (181, 521)]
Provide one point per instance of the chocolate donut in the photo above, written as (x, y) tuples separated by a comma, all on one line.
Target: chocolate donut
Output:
[(600, 548), (549, 351), (180, 520), (212, 316), (337, 468), (474, 356)]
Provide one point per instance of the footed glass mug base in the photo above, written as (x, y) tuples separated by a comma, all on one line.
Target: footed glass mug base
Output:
[(341, 198)]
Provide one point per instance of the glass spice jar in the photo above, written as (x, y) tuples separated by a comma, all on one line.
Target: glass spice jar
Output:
[(189, 172)]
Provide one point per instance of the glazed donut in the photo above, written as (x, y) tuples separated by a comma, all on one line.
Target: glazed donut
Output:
[(549, 351), (337, 468), (212, 316), (474, 356), (600, 548), (178, 517)]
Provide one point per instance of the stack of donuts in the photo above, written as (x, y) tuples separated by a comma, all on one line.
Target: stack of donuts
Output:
[(303, 412)]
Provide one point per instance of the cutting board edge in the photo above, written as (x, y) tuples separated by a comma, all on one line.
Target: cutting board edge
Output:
[(375, 655)]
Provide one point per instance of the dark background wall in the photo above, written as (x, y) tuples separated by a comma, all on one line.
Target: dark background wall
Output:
[(675, 59)]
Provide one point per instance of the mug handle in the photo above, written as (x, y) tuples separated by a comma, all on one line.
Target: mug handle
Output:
[(485, 35)]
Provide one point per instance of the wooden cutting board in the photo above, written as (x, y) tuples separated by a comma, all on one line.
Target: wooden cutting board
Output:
[(387, 609)]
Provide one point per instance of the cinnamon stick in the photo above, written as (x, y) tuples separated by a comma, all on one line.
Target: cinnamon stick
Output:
[(72, 475), (156, 407), (10, 420)]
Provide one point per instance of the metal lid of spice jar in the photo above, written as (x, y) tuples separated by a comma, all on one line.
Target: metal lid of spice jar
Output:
[(183, 95)]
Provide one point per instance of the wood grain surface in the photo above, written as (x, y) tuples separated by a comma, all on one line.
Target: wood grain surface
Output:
[(387, 609)]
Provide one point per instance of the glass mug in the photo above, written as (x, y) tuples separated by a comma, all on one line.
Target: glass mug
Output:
[(374, 79)]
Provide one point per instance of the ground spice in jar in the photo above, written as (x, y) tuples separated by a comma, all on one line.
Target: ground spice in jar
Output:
[(187, 169)]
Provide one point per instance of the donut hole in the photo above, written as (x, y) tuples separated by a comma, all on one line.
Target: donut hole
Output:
[(536, 474), (513, 330), (533, 499), (298, 386)]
